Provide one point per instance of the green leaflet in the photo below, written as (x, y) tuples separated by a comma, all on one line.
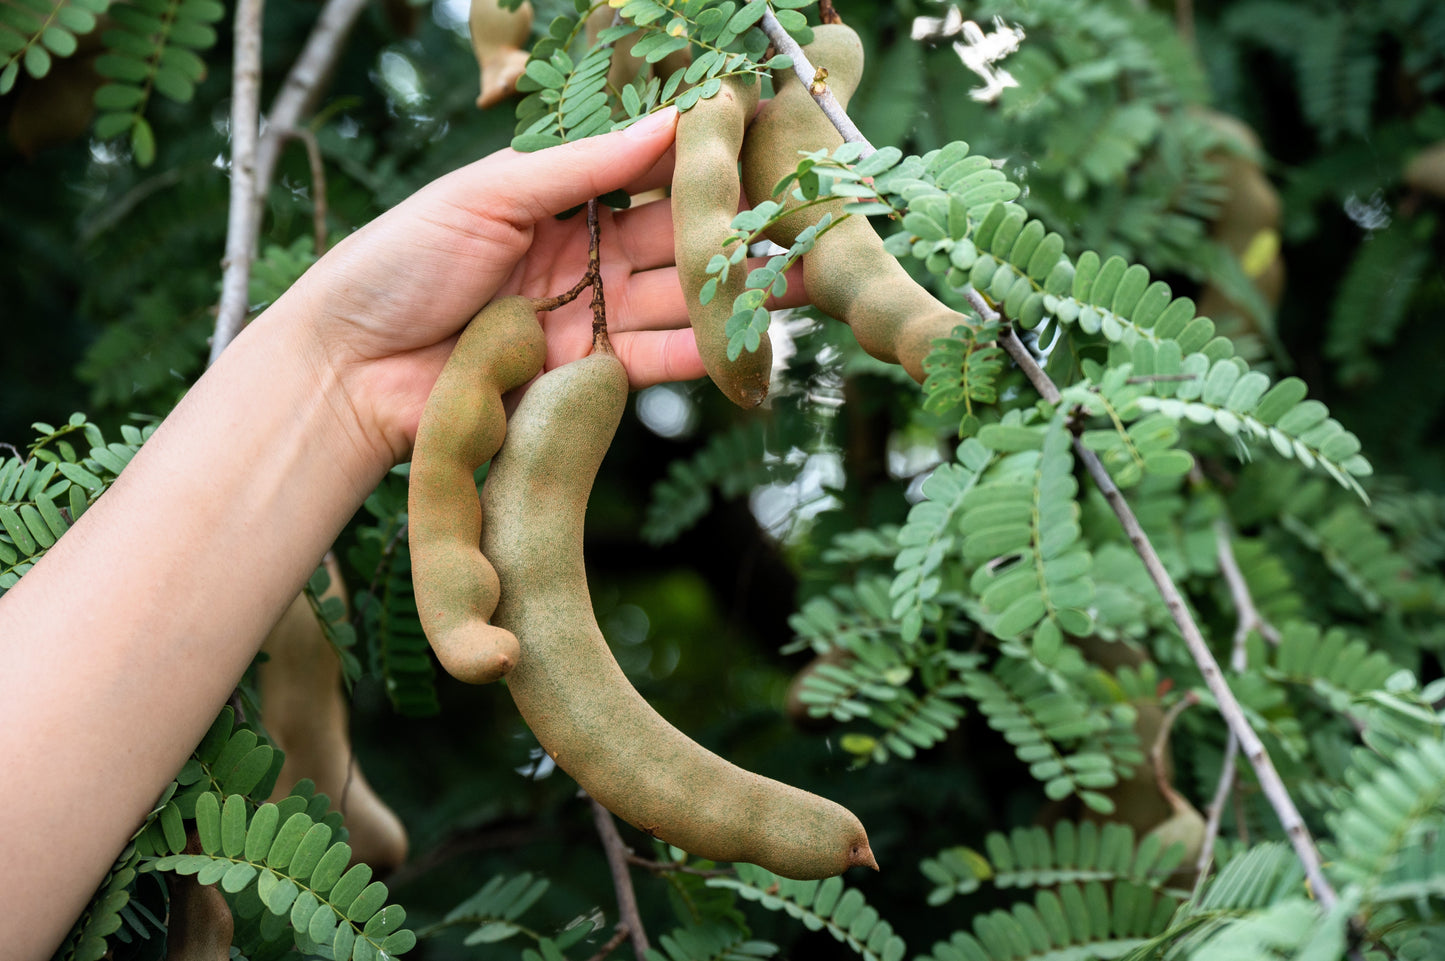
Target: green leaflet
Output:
[(1072, 853), (820, 905), (306, 883)]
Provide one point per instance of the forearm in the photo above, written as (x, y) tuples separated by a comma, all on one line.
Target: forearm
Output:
[(119, 647)]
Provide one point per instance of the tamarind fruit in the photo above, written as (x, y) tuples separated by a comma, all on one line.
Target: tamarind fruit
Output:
[(1426, 170), (461, 427), (625, 67), (1246, 224), (848, 274), (499, 41), (199, 926), (709, 137), (305, 712), (568, 686)]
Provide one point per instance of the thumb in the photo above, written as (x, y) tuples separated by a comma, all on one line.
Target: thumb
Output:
[(549, 181)]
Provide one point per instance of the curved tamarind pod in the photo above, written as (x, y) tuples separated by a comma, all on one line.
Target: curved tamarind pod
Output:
[(704, 203), (200, 925), (499, 41), (461, 428), (305, 712), (568, 687), (848, 274)]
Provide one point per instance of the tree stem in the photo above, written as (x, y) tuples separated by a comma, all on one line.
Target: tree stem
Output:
[(243, 215), (1229, 707), (617, 853)]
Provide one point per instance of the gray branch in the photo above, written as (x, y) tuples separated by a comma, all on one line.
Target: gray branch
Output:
[(243, 215), (254, 151), (1229, 707), (807, 74)]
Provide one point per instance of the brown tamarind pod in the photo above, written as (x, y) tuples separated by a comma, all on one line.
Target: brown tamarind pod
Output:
[(199, 926), (499, 41), (305, 711), (568, 687), (1426, 170), (848, 274), (461, 428), (1246, 224), (704, 203)]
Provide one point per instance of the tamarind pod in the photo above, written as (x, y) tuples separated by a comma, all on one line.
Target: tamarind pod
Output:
[(1246, 224), (499, 40), (848, 274), (200, 925), (624, 68), (1426, 170), (305, 711), (704, 203), (568, 687), (791, 122), (461, 428)]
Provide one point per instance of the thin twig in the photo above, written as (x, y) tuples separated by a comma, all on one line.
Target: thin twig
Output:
[(1269, 780), (617, 852), (307, 136), (612, 943), (1248, 617), (815, 84), (302, 86), (680, 867), (592, 278), (1161, 742), (243, 217), (254, 152)]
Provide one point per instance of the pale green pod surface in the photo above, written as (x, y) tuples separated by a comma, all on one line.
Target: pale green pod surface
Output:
[(461, 427), (704, 202), (848, 274), (567, 685), (853, 279), (791, 122)]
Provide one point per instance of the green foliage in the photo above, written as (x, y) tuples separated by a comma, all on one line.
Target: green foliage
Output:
[(735, 462), (298, 873), (1076, 921), (1034, 857), (64, 470), (386, 608), (153, 45), (570, 99), (991, 653), (34, 32), (827, 905)]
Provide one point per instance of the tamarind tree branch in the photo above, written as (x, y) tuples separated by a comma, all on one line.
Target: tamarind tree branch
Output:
[(815, 85), (302, 87), (611, 944), (307, 136), (1228, 705), (616, 850), (254, 151), (592, 278), (243, 215)]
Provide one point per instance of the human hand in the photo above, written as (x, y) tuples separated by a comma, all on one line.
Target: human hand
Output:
[(385, 305)]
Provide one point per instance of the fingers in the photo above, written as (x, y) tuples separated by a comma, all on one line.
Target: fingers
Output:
[(658, 356), (556, 179)]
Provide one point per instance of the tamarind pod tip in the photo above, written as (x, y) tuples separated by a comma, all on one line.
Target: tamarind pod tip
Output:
[(477, 653), (861, 856)]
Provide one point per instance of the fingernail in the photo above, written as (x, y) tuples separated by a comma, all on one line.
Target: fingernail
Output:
[(651, 124)]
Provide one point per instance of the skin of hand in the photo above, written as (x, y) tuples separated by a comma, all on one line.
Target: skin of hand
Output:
[(118, 648)]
